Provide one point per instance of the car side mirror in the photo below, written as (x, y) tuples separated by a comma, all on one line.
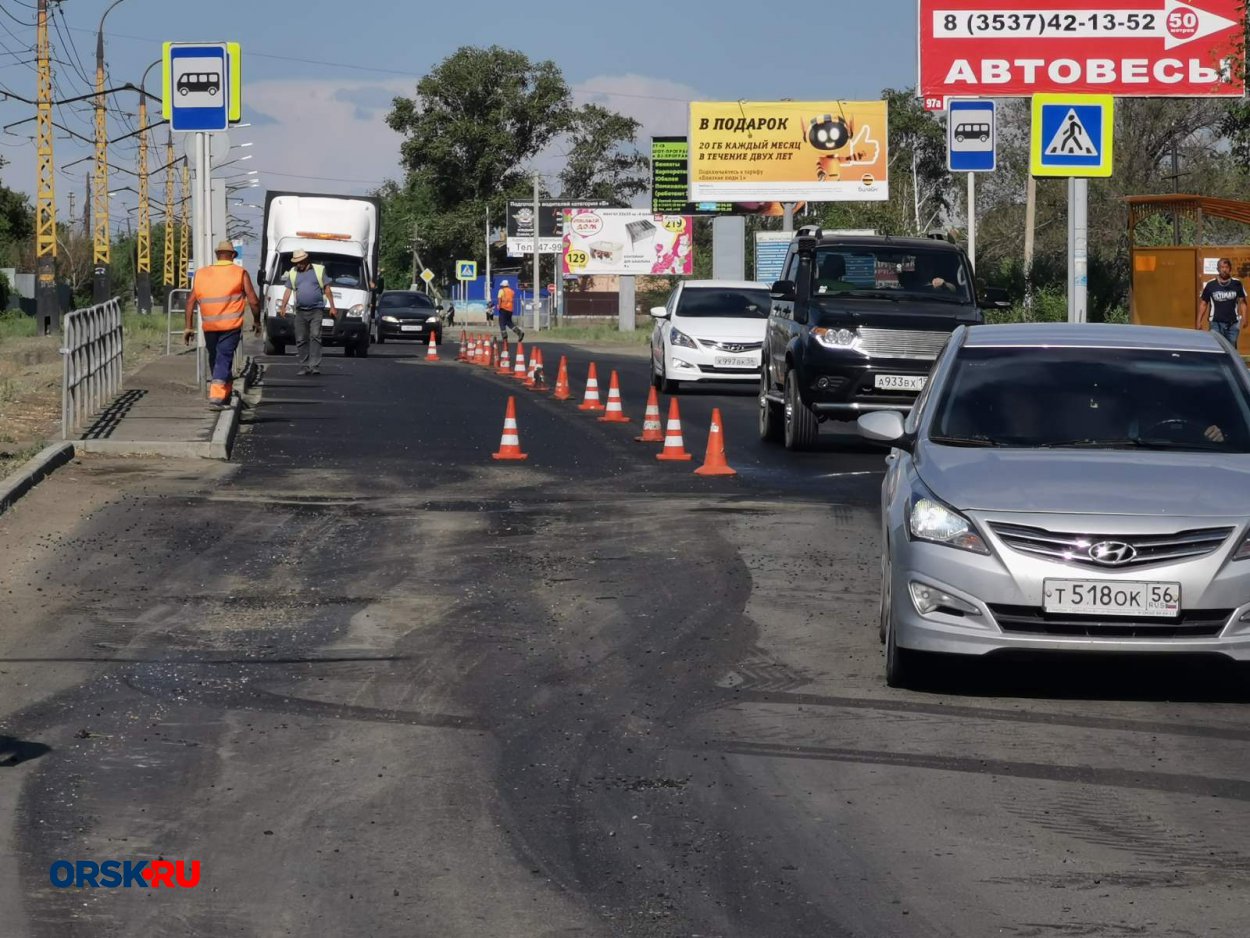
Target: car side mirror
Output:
[(885, 426), (784, 290), (994, 298), (659, 312)]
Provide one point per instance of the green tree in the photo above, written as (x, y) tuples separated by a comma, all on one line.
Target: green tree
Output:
[(603, 160)]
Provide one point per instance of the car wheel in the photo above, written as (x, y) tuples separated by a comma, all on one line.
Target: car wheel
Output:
[(886, 598), (771, 413), (381, 336), (362, 348), (666, 386), (904, 667), (801, 427), (274, 348), (349, 350)]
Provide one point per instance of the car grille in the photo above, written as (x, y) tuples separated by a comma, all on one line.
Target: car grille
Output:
[(901, 343), (1032, 620), (1071, 548), (730, 346)]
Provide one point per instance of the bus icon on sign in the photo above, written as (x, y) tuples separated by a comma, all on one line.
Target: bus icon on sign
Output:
[(209, 82), (964, 132)]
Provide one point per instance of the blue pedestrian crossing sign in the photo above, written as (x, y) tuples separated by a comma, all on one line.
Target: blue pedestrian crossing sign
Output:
[(466, 270), (197, 86), (971, 137), (1073, 135)]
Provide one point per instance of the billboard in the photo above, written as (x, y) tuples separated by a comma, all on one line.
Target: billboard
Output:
[(1017, 48), (520, 227), (670, 182), (627, 241), (789, 151)]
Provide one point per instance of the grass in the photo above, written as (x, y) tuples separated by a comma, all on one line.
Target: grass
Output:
[(597, 334)]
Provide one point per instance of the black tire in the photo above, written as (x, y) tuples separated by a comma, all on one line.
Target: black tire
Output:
[(904, 667), (381, 337), (349, 350), (656, 381), (274, 348), (801, 426), (886, 600), (666, 386), (362, 348), (772, 415)]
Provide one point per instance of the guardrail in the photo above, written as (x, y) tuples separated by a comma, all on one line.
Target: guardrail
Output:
[(91, 371)]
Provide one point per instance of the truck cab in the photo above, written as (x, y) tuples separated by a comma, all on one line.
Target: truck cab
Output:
[(340, 233)]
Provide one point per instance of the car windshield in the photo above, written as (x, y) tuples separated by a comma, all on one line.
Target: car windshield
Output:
[(884, 272), (724, 302), (340, 271), (405, 301), (1093, 399)]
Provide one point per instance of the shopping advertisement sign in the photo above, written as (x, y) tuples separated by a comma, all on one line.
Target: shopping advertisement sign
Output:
[(1017, 48), (627, 241), (520, 228), (789, 151), (670, 184)]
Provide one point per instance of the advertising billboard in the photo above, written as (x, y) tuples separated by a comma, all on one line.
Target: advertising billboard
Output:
[(790, 151), (670, 182), (520, 226), (1142, 48), (627, 241)]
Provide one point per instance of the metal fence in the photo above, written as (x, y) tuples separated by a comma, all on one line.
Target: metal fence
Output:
[(92, 362)]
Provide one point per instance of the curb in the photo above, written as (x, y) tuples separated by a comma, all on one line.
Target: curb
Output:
[(33, 472)]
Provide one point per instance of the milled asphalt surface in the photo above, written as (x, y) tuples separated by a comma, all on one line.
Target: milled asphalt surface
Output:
[(380, 685)]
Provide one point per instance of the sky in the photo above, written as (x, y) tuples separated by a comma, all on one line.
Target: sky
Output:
[(319, 77)]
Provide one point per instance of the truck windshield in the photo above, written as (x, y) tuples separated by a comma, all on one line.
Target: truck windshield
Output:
[(340, 271), (890, 273)]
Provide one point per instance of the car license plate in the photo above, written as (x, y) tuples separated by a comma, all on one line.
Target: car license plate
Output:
[(327, 324), (409, 328), (734, 361), (900, 382), (1112, 597)]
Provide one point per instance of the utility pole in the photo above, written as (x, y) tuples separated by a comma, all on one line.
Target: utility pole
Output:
[(168, 279), (143, 246), (486, 292), (1176, 187), (1030, 223), (184, 242), (537, 270), (86, 206), (47, 304), (414, 257)]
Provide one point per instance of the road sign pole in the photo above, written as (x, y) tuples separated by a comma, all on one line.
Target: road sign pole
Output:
[(1080, 248), (972, 221), (537, 237)]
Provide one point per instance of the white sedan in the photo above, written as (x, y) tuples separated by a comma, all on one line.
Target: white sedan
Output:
[(709, 330)]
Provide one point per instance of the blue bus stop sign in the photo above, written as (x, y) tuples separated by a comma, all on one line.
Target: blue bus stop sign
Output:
[(199, 87)]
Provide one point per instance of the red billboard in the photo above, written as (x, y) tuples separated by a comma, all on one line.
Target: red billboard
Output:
[(1130, 48)]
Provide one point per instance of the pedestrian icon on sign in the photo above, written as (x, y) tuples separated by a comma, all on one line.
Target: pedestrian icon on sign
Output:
[(1072, 139)]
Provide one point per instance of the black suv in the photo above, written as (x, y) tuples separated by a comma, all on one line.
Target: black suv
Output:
[(855, 325)]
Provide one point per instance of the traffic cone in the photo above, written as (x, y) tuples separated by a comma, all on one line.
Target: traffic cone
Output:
[(674, 446), (462, 353), (505, 361), (562, 392), (652, 427), (538, 376), (510, 442), (615, 414), (714, 463), (486, 350), (431, 353), (518, 370), (590, 401)]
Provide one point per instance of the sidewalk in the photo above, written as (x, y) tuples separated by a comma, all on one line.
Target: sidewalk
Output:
[(163, 411)]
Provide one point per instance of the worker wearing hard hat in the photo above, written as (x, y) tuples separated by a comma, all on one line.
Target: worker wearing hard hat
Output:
[(507, 306)]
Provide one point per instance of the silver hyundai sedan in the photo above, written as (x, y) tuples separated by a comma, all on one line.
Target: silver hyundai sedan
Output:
[(1072, 488)]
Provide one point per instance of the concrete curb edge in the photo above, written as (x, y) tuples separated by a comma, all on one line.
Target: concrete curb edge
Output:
[(33, 472)]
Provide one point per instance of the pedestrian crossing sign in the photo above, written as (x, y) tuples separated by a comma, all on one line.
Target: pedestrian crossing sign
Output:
[(1072, 134)]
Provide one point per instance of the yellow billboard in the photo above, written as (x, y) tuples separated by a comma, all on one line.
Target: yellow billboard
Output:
[(789, 151)]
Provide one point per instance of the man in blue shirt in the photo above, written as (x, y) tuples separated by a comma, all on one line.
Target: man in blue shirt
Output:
[(1224, 303), (308, 282)]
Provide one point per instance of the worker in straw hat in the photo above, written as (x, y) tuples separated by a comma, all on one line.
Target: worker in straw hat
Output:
[(307, 281), (222, 291)]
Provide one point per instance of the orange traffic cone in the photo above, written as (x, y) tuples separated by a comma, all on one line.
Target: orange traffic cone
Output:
[(462, 351), (562, 392), (652, 428), (615, 414), (431, 353), (714, 463), (518, 370), (590, 401), (538, 378), (489, 352), (505, 361), (510, 442), (674, 445)]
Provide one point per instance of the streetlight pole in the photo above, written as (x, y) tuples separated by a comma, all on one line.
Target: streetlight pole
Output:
[(143, 256), (102, 279)]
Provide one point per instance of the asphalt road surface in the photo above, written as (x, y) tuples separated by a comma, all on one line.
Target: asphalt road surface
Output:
[(380, 685)]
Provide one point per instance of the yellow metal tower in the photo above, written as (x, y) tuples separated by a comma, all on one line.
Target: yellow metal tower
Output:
[(48, 308), (184, 243), (143, 260), (100, 187), (170, 259)]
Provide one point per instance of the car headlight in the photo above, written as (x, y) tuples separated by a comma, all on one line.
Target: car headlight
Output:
[(357, 311), (930, 520), (677, 337), (836, 338), (431, 319), (1243, 549), (390, 319)]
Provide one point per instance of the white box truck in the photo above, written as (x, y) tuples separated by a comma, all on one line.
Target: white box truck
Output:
[(341, 233)]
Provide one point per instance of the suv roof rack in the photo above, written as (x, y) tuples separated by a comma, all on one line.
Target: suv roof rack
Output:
[(810, 231)]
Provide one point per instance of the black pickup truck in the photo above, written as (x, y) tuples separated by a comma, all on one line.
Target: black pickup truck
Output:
[(855, 325)]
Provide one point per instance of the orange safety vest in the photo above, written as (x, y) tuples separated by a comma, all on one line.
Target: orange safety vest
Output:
[(219, 291), (506, 298)]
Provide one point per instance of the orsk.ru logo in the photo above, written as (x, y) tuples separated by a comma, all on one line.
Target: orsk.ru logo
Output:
[(125, 874)]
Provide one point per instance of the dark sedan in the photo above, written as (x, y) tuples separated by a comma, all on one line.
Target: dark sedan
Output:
[(407, 314)]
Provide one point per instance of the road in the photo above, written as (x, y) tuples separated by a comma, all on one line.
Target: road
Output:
[(378, 684)]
